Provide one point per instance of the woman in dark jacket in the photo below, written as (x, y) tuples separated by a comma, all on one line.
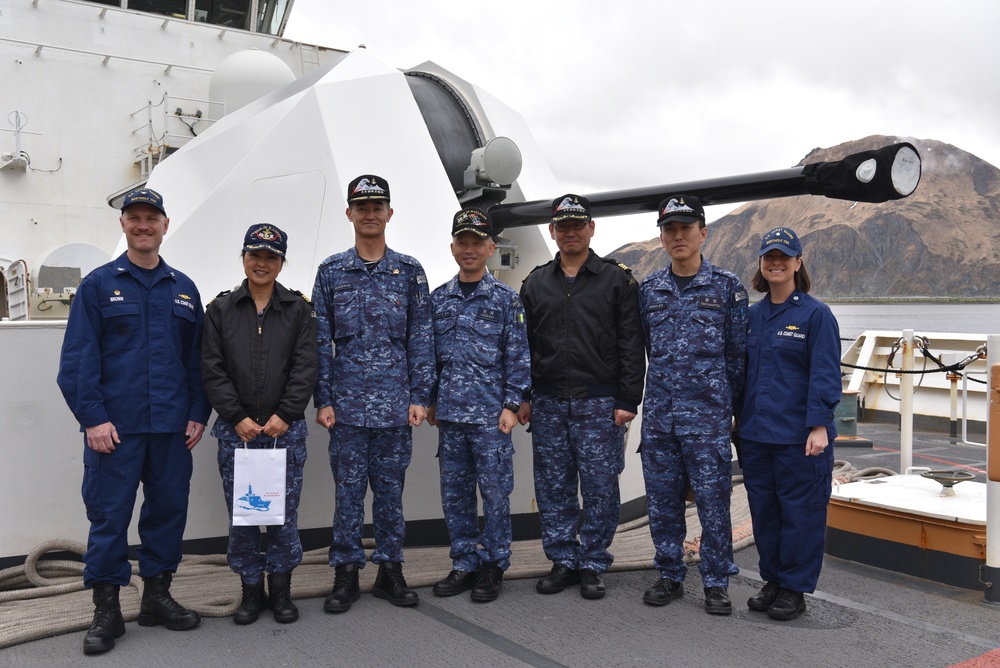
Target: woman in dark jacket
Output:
[(786, 426), (258, 366)]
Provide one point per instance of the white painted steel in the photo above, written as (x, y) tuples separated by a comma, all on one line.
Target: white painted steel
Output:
[(919, 496), (992, 488), (906, 403)]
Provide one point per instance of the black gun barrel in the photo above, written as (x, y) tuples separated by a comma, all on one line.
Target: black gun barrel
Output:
[(891, 172)]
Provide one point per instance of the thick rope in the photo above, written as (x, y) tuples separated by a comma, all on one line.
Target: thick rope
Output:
[(845, 472), (45, 598)]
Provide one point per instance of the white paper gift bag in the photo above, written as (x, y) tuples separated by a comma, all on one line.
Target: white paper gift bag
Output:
[(259, 486)]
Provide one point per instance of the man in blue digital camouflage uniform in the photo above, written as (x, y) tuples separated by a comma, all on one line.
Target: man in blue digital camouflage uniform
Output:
[(130, 373), (483, 370), (694, 316), (587, 364), (374, 385)]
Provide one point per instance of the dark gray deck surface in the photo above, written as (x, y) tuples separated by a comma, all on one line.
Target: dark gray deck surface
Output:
[(859, 617)]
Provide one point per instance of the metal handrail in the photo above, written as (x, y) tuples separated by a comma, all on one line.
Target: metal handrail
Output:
[(40, 46)]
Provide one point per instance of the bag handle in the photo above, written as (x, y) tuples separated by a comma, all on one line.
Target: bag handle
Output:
[(274, 449)]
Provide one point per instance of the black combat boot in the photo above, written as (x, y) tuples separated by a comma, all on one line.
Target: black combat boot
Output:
[(489, 581), (346, 589), (108, 623), (787, 606), (159, 607), (456, 582), (663, 592), (765, 598), (254, 600), (717, 601), (558, 579), (591, 584), (391, 585), (280, 587)]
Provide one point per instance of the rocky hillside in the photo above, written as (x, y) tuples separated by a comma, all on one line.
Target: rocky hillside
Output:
[(941, 241)]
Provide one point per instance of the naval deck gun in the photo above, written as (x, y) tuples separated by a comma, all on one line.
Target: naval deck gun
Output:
[(884, 174), (458, 128)]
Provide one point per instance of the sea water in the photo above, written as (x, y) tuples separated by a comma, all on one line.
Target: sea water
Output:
[(921, 318)]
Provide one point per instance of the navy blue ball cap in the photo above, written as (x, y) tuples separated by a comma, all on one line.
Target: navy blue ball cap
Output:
[(367, 187), (144, 196), (476, 221), (570, 207), (681, 209), (265, 236), (783, 239)]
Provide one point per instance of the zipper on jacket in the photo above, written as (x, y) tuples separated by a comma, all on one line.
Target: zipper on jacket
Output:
[(260, 342)]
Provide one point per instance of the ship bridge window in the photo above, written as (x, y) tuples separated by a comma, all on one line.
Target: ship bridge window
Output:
[(271, 15), (264, 16), (175, 8), (229, 13)]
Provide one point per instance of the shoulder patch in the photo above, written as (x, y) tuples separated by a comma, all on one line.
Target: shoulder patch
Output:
[(611, 260), (534, 270), (623, 267), (221, 294), (306, 299)]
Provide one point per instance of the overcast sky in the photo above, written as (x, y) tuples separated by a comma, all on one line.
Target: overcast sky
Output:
[(630, 94)]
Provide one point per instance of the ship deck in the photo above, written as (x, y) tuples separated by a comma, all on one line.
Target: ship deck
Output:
[(859, 616)]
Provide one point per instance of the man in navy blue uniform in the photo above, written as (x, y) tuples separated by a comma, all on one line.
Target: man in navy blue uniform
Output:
[(129, 371), (694, 316), (376, 369), (587, 364), (483, 371)]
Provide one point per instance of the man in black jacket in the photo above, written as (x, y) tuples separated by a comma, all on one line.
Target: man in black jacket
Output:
[(587, 366)]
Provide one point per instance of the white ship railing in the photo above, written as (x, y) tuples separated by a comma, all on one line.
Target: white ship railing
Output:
[(159, 145), (106, 57)]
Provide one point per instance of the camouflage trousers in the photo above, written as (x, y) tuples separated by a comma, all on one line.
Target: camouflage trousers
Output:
[(669, 463), (471, 454), (284, 549), (359, 456), (577, 446)]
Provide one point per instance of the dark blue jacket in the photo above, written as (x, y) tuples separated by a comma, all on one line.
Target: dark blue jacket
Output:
[(793, 371), (482, 351), (696, 340), (382, 357), (131, 354)]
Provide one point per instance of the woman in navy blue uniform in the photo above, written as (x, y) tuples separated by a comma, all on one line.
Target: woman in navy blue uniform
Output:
[(786, 425)]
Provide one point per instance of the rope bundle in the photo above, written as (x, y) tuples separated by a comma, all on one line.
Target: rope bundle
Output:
[(44, 598)]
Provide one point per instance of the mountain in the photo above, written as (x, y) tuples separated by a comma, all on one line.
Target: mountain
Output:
[(941, 241)]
